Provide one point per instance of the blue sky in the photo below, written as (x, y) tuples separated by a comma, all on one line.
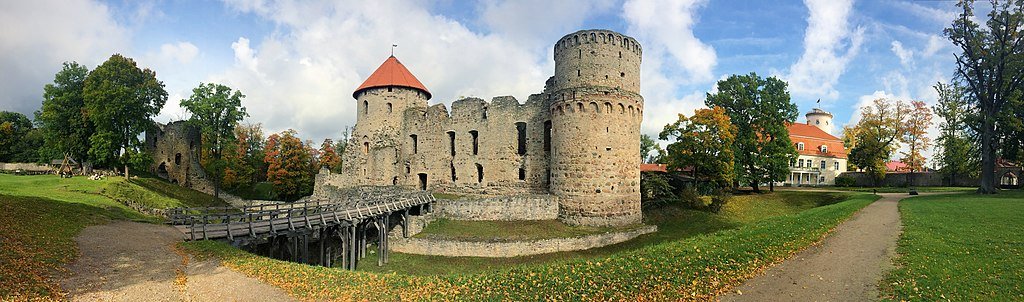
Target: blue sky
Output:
[(298, 61)]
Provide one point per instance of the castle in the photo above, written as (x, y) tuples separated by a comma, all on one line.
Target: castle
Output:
[(577, 140)]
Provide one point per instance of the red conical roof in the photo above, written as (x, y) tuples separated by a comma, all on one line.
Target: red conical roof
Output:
[(392, 73)]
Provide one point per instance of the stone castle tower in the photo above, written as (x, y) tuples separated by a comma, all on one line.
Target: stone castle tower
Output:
[(821, 119), (596, 113), (577, 140)]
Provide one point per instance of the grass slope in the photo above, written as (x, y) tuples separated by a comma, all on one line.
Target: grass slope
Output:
[(40, 216), (673, 223), (962, 247), (694, 268), (507, 230), (38, 239), (153, 192), (904, 189)]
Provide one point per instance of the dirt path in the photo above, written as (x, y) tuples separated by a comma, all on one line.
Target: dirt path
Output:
[(130, 261), (846, 266)]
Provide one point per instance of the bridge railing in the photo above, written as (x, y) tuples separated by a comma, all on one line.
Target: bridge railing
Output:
[(245, 223)]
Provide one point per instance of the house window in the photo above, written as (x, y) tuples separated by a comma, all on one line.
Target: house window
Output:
[(837, 165), (822, 165), (800, 146), (801, 163), (824, 149)]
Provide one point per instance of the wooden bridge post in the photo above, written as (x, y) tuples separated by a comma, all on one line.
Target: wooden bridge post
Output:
[(380, 241), (405, 223), (323, 260)]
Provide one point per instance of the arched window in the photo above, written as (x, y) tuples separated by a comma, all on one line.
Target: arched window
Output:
[(800, 146), (607, 107), (580, 107), (479, 173), (476, 139), (389, 107), (366, 107), (593, 107), (622, 109), (824, 149)]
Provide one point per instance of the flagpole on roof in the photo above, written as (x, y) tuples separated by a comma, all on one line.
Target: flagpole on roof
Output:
[(393, 49)]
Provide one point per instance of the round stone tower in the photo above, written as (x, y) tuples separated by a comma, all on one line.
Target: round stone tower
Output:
[(381, 101), (596, 110), (821, 119)]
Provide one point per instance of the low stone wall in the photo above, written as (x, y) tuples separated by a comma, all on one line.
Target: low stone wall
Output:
[(27, 167), (921, 179), (505, 208), (505, 249)]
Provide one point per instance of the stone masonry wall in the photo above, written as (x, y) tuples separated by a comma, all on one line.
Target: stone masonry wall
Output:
[(506, 208), (503, 249), (578, 139), (174, 147)]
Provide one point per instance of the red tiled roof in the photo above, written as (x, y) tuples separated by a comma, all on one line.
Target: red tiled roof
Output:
[(653, 168), (813, 138), (392, 73), (896, 166)]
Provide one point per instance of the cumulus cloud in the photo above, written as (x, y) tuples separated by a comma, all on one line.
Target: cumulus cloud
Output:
[(37, 36), (665, 28), (829, 45), (508, 18), (181, 52), (303, 75)]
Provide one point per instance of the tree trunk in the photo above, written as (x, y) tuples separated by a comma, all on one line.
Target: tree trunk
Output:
[(771, 186), (126, 172), (988, 160)]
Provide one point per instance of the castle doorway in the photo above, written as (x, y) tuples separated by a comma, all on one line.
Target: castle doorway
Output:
[(161, 171), (1009, 181), (423, 181)]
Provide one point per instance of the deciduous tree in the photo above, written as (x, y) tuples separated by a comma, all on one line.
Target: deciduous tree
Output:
[(328, 157), (990, 65), (703, 142), (915, 135), (120, 100), (956, 154), (14, 127), (288, 165), (216, 109), (62, 119), (760, 109), (880, 127)]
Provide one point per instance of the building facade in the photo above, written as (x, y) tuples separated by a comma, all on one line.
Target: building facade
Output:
[(821, 156), (577, 140)]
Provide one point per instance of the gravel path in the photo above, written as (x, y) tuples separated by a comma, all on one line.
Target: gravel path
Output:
[(846, 266), (130, 261)]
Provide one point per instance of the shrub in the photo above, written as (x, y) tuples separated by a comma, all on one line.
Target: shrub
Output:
[(844, 181), (718, 201), (654, 188)]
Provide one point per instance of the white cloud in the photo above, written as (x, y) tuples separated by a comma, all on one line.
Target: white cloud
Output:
[(37, 36), (303, 75), (906, 55), (548, 20), (937, 15), (665, 28), (935, 44), (181, 52), (829, 45)]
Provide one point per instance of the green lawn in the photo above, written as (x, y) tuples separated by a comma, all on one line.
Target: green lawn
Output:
[(962, 247), (688, 266), (153, 192)]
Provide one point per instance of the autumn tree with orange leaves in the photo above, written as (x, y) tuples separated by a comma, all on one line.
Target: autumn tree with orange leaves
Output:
[(702, 142), (328, 157), (289, 165), (915, 135)]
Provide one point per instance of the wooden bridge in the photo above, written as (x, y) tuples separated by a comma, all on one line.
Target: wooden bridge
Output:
[(337, 232)]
